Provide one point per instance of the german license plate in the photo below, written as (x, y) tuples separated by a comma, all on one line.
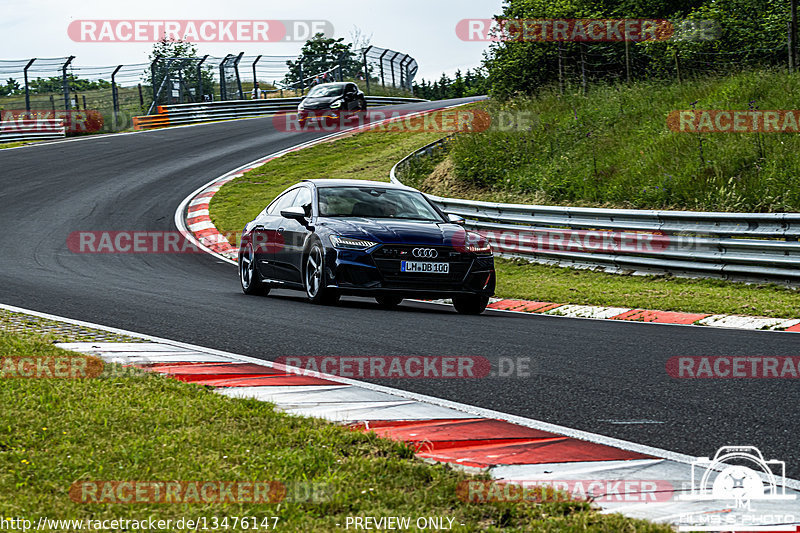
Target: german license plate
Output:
[(424, 267)]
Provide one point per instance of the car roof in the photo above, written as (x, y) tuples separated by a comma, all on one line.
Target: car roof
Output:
[(356, 183)]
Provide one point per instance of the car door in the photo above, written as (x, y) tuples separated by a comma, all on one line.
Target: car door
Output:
[(266, 237), (288, 262)]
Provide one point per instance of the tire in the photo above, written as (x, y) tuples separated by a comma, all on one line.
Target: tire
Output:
[(388, 302), (314, 278), (362, 105), (470, 305), (249, 278)]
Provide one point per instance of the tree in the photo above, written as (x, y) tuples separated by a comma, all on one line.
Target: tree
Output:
[(177, 62), (322, 54)]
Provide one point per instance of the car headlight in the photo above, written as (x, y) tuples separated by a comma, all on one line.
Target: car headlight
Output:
[(477, 243), (336, 104), (347, 243)]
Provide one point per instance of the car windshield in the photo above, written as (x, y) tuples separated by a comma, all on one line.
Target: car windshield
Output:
[(321, 91), (375, 202)]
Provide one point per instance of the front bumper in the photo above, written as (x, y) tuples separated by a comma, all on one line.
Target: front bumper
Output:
[(377, 272)]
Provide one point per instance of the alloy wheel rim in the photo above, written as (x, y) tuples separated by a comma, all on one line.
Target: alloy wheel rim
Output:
[(246, 266), (313, 272)]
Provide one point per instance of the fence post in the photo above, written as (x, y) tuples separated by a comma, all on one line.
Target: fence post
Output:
[(200, 78), (255, 77), (223, 91), (560, 70), (114, 97), (789, 46), (366, 69), (302, 84), (238, 79), (793, 33), (627, 59), (64, 81), (83, 96), (391, 64), (383, 81), (27, 93), (153, 76), (404, 71), (583, 68)]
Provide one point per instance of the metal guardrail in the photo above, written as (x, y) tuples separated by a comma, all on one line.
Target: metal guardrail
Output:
[(169, 115), (31, 129), (740, 246)]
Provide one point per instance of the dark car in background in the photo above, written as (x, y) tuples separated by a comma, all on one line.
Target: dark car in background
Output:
[(351, 237), (331, 101)]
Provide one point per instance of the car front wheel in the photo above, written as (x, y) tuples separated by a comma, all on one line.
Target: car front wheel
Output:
[(315, 280)]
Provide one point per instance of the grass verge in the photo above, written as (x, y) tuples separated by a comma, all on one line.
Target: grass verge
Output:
[(370, 155), (613, 148), (143, 427)]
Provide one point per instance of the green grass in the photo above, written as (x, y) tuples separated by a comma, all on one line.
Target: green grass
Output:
[(612, 148), (15, 144), (369, 155), (143, 427)]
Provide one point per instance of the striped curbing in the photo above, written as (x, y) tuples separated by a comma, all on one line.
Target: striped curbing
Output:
[(637, 481)]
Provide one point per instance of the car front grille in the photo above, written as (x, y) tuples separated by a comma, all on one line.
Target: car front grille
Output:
[(388, 258)]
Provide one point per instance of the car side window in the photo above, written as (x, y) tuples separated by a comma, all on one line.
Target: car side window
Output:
[(282, 202), (303, 199)]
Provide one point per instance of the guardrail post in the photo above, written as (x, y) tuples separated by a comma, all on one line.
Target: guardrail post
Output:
[(366, 69), (114, 97), (255, 77), (200, 78), (64, 82), (27, 92), (238, 79)]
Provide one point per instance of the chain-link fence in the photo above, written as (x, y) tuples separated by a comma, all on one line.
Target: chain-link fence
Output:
[(48, 87)]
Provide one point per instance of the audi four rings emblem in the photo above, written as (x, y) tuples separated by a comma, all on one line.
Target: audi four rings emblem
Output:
[(430, 253)]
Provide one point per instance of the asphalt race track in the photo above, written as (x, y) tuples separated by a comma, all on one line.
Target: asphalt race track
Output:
[(587, 372)]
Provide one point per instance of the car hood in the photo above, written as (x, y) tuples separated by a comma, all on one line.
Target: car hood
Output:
[(395, 231)]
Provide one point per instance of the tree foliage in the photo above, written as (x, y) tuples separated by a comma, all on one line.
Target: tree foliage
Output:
[(747, 31), (321, 54)]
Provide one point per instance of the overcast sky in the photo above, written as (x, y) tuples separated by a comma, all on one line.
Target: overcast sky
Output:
[(425, 29)]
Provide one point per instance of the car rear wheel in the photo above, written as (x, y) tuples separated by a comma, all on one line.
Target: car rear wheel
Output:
[(388, 302), (249, 277), (315, 280), (470, 305)]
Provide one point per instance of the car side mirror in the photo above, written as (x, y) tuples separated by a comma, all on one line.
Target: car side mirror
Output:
[(295, 213), (455, 219)]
